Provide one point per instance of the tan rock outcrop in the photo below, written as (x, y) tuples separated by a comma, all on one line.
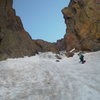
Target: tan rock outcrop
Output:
[(82, 18)]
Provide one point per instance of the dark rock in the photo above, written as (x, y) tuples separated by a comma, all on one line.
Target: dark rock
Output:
[(58, 56), (69, 54), (57, 61)]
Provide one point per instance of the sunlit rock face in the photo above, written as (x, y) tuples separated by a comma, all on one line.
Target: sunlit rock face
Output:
[(82, 18), (14, 40)]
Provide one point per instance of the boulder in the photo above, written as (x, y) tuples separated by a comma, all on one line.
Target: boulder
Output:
[(69, 54)]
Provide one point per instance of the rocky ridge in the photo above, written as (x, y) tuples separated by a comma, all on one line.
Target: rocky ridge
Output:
[(44, 46)]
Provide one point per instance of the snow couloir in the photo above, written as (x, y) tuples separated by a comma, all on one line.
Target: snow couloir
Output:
[(41, 77)]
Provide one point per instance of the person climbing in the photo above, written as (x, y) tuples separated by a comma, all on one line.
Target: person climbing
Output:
[(81, 57)]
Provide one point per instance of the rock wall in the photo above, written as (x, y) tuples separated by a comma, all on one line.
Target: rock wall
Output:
[(14, 40), (82, 18)]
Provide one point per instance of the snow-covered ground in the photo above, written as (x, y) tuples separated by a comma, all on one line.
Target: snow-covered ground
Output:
[(40, 77)]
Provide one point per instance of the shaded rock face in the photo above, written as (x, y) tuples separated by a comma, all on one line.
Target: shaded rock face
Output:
[(60, 45), (14, 40), (43, 46), (82, 18)]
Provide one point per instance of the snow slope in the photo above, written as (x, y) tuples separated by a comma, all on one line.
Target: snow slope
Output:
[(40, 77)]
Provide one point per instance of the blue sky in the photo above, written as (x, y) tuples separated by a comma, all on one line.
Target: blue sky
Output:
[(42, 19)]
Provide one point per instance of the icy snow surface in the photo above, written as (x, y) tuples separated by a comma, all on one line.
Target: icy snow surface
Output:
[(40, 77)]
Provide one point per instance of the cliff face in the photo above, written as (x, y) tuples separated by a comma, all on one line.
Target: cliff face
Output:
[(82, 18), (14, 40)]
